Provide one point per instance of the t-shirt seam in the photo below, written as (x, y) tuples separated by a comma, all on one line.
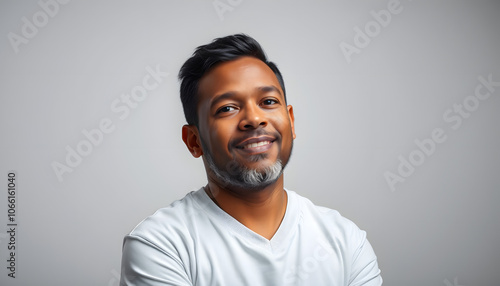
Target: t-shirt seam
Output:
[(143, 239)]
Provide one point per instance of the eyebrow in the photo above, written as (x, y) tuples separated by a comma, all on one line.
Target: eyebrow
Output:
[(269, 88), (230, 94)]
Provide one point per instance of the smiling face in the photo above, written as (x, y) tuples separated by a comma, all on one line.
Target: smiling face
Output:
[(245, 128)]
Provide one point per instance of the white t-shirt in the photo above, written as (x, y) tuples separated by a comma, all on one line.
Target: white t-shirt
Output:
[(194, 242)]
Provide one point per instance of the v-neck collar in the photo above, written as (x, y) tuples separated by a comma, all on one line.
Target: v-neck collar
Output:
[(285, 230)]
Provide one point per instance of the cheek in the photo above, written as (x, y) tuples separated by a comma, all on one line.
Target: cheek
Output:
[(284, 126), (219, 135), (286, 135)]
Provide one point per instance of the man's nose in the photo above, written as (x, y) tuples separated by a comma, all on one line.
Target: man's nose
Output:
[(253, 118)]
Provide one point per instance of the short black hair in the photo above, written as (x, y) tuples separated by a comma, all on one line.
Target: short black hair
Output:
[(206, 57)]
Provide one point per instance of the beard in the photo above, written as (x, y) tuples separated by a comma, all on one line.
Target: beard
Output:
[(236, 175)]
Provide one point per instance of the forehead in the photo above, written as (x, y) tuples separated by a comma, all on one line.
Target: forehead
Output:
[(240, 75)]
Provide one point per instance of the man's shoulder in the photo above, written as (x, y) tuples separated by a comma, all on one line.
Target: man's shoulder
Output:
[(306, 205), (170, 220), (325, 218)]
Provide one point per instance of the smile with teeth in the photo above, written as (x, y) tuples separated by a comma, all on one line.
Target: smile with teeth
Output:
[(257, 144)]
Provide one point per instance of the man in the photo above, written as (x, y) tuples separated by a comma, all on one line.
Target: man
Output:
[(243, 227)]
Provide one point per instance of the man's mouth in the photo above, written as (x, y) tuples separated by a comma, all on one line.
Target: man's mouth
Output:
[(256, 144), (253, 145)]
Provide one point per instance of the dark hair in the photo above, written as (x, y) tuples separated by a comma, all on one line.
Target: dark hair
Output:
[(206, 57)]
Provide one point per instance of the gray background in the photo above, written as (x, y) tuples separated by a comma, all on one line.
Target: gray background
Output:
[(440, 226)]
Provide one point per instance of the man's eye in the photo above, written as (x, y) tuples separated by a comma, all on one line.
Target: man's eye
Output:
[(225, 109), (269, 102)]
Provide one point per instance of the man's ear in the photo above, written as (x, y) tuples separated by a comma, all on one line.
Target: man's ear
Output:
[(191, 138), (292, 119)]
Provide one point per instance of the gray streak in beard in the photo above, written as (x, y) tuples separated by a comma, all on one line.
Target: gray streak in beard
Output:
[(237, 175)]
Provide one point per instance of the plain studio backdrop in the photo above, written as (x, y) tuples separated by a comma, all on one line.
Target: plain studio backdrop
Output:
[(397, 120)]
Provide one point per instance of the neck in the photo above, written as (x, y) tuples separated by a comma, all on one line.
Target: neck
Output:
[(259, 210)]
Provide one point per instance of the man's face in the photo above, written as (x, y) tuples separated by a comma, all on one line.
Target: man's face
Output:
[(245, 127)]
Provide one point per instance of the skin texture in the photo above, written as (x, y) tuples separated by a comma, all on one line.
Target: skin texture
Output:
[(241, 101)]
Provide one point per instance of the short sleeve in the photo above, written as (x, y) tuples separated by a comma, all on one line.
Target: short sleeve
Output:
[(143, 263), (364, 268)]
